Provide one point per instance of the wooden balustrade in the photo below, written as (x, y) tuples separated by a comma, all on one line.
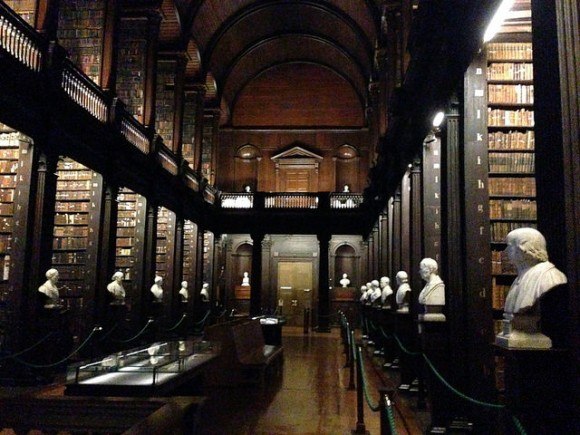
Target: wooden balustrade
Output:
[(345, 200), (237, 200), (84, 91), (135, 133), (291, 200), (19, 40)]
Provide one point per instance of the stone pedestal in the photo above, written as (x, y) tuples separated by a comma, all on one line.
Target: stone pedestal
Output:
[(405, 331)]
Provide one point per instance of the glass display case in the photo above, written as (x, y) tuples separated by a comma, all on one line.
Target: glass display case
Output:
[(156, 369)]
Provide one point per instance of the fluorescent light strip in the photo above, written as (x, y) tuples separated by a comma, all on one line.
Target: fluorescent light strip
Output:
[(497, 20)]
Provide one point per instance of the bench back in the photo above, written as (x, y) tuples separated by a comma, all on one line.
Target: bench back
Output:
[(248, 339)]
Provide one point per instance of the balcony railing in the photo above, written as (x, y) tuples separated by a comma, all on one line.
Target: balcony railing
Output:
[(19, 40), (290, 200), (135, 133), (84, 91)]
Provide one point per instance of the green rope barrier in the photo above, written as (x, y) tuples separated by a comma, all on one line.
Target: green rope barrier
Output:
[(457, 392), (106, 335), (408, 352), (519, 425), (173, 328), (38, 343), (139, 334), (374, 407), (43, 366), (202, 321), (391, 418)]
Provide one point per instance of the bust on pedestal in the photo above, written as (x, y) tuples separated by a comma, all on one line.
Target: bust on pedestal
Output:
[(344, 282), (204, 293), (246, 280), (157, 289), (115, 287), (363, 294), (375, 296), (183, 292), (526, 249), (432, 297), (50, 290), (403, 292), (386, 291)]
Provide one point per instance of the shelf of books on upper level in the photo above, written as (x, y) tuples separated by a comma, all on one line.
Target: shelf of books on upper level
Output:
[(127, 221), (511, 157)]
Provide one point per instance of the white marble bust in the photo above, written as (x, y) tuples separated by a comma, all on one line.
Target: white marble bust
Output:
[(433, 294), (526, 250), (157, 289), (246, 280), (184, 292), (386, 289), (403, 291), (345, 282), (115, 287), (364, 295), (50, 289), (204, 292), (376, 294)]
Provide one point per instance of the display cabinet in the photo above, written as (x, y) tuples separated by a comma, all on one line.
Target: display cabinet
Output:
[(156, 369)]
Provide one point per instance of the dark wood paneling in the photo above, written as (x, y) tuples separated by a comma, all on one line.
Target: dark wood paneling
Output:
[(298, 95)]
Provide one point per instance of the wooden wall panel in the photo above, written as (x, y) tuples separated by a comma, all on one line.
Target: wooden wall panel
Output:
[(298, 94), (271, 142)]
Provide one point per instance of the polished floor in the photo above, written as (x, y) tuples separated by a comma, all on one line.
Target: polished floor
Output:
[(312, 396)]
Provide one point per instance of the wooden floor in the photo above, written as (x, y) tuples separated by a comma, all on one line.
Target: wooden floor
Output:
[(312, 397)]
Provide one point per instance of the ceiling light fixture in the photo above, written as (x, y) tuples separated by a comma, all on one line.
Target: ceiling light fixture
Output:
[(497, 20)]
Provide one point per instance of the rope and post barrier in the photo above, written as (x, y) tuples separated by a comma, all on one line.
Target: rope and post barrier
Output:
[(388, 426), (139, 334), (22, 352), (69, 356), (179, 322), (360, 412)]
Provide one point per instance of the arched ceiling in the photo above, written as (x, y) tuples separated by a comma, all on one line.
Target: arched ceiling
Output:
[(239, 39)]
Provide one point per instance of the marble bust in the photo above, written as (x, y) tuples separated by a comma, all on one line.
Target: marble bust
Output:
[(246, 280), (386, 290), (344, 282), (204, 293), (157, 289), (115, 287), (433, 294), (50, 290), (403, 292), (364, 295), (183, 292), (526, 250), (376, 293)]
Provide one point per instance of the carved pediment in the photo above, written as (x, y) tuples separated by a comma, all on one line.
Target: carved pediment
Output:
[(297, 153)]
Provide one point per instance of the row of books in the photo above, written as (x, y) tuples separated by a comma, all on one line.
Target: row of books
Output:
[(126, 233), (498, 295), (501, 264), (500, 230), (513, 140), (86, 30), (512, 186), (510, 118), (71, 231), (71, 219), (6, 224), (73, 207), (510, 71), (72, 195), (70, 272), (6, 195), (8, 180), (68, 257), (514, 162), (122, 252), (69, 243), (83, 183), (512, 209), (125, 242), (8, 166), (5, 242), (511, 94), (74, 175), (509, 51), (6, 208)]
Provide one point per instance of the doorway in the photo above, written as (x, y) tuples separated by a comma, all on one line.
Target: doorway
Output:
[(295, 290)]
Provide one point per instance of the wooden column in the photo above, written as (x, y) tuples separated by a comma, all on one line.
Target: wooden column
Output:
[(199, 278), (556, 41), (153, 23), (109, 61), (391, 255), (179, 104), (323, 290), (198, 92), (177, 267), (384, 254), (406, 223), (47, 18), (148, 265), (416, 251), (217, 295), (432, 199), (371, 256), (256, 276), (105, 264), (213, 118), (397, 239)]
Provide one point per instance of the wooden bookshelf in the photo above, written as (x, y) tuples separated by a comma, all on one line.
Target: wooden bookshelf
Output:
[(189, 249), (163, 219), (511, 163), (81, 26), (188, 131), (25, 8)]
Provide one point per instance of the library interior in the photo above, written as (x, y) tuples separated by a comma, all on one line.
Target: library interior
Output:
[(289, 216)]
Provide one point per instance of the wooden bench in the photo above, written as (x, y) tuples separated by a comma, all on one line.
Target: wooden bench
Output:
[(111, 415), (254, 355), (243, 353)]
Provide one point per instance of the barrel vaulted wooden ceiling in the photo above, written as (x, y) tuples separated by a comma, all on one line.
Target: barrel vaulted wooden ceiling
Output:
[(234, 41)]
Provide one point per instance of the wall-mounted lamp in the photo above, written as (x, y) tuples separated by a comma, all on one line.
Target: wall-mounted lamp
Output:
[(497, 20), (438, 119)]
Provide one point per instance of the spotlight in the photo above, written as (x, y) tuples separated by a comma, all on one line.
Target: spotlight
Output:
[(497, 20), (438, 119)]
